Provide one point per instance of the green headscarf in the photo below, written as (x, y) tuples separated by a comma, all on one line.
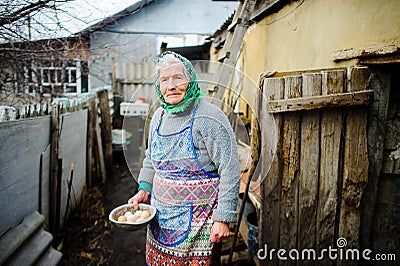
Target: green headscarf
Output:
[(192, 91)]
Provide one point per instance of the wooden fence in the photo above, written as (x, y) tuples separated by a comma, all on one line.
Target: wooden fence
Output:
[(45, 107), (134, 80), (48, 158), (312, 193)]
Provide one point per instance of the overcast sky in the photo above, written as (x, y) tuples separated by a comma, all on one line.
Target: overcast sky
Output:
[(67, 19), (83, 13)]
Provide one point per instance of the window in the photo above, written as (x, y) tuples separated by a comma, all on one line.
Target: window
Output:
[(55, 77)]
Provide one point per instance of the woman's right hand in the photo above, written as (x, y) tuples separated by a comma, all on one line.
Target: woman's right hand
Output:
[(141, 196)]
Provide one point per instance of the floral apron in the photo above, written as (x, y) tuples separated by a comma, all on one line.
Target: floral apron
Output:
[(184, 195)]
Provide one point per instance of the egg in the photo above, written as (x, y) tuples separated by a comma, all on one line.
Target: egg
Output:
[(127, 214), (122, 218), (136, 215), (132, 218), (145, 214)]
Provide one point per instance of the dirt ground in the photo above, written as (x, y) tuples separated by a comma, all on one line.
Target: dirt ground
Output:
[(90, 239)]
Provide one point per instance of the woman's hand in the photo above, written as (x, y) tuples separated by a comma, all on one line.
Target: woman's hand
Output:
[(219, 231), (141, 196)]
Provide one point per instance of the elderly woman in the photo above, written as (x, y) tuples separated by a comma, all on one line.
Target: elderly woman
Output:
[(190, 171)]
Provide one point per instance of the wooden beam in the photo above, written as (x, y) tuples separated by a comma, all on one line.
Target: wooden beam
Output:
[(352, 53), (106, 131), (321, 101), (230, 52)]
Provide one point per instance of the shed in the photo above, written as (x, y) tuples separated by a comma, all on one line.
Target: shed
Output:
[(327, 73)]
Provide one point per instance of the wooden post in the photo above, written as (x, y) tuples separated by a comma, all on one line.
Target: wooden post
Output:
[(117, 96), (99, 164), (106, 131), (54, 160), (117, 120), (92, 112)]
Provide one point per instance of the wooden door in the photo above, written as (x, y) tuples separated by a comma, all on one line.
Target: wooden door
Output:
[(312, 192)]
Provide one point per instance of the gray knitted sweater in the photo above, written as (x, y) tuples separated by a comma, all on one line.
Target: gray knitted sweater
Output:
[(216, 149)]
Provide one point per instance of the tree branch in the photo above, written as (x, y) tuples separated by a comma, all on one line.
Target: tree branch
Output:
[(25, 11)]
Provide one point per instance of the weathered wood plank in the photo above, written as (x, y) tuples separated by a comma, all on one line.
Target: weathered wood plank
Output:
[(54, 169), (271, 187), (364, 52), (331, 133), (100, 164), (321, 101), (290, 169), (106, 134), (355, 165), (89, 145), (309, 171)]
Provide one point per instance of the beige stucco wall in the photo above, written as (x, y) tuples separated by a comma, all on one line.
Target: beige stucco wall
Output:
[(304, 34)]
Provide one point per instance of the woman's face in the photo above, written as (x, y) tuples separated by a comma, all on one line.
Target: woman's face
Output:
[(173, 83)]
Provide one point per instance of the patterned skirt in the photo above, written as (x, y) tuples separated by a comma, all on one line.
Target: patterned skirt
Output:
[(180, 234)]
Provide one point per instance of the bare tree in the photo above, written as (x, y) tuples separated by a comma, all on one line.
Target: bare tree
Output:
[(31, 52), (22, 19)]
